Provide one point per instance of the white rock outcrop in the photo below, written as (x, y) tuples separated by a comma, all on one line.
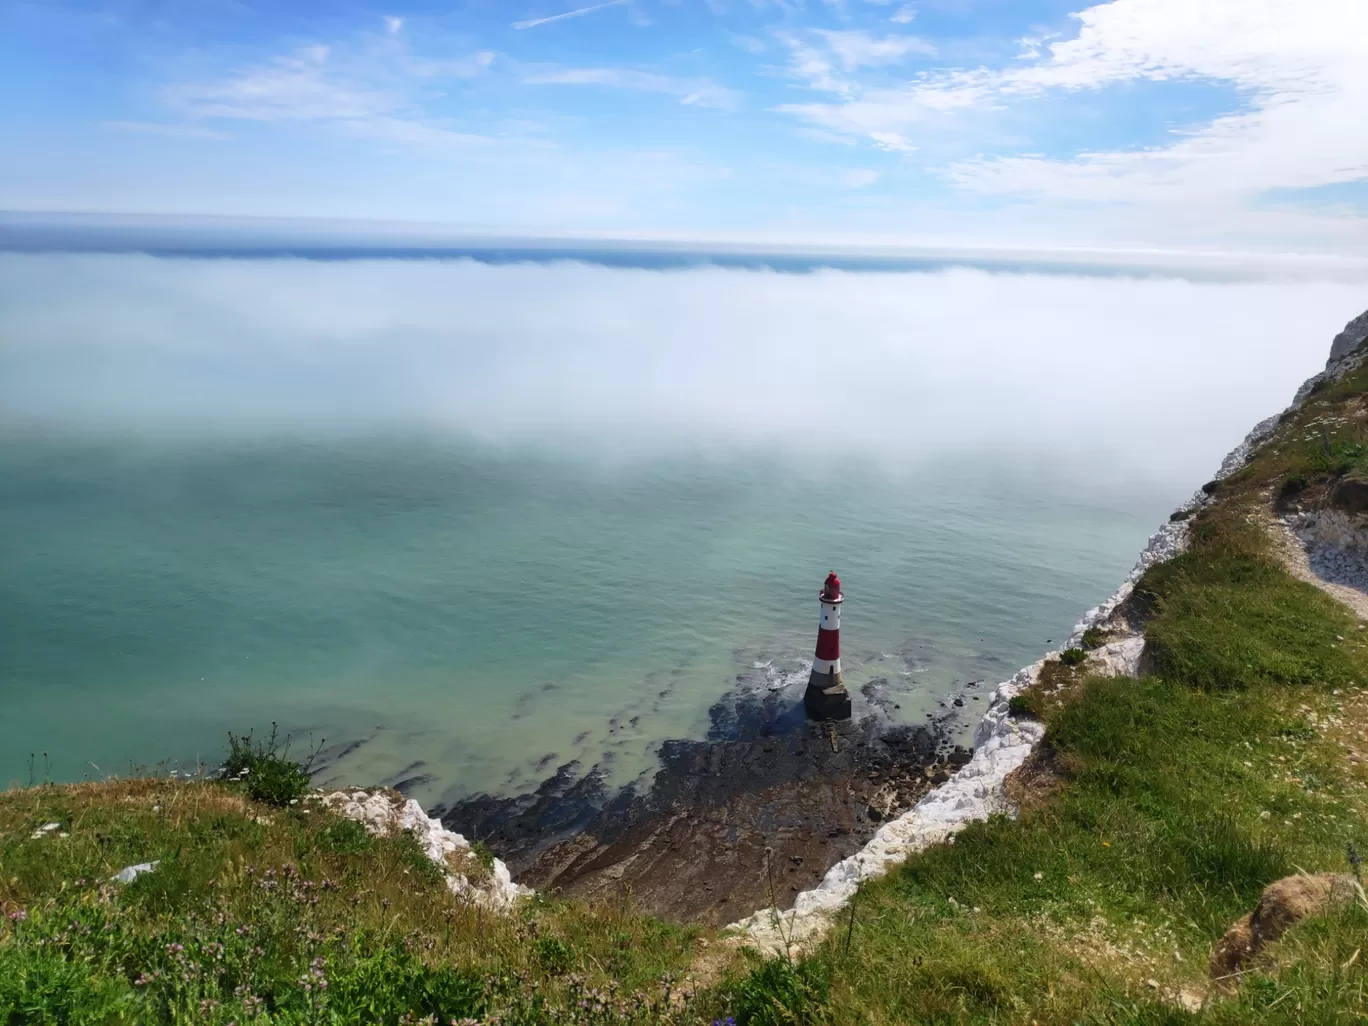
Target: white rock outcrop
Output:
[(385, 814)]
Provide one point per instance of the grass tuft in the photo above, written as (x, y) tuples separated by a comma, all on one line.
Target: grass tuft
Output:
[(265, 770)]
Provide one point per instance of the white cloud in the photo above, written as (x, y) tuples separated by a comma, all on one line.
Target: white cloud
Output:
[(811, 66), (892, 142), (690, 91), (904, 15), (1299, 66), (580, 12), (623, 361), (814, 58), (297, 86), (367, 90), (855, 49), (393, 24)]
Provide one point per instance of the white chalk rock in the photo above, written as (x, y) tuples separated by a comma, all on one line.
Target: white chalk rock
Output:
[(130, 873), (385, 815)]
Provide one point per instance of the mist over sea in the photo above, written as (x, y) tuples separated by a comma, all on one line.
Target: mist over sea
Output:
[(489, 518)]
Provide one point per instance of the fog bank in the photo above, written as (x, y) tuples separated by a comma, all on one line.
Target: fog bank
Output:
[(1148, 376)]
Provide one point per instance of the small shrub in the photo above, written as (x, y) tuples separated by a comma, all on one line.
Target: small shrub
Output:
[(1335, 455), (1027, 705), (781, 992), (345, 837), (265, 769), (390, 985), (553, 955), (481, 851), (1072, 656), (415, 860), (1094, 637)]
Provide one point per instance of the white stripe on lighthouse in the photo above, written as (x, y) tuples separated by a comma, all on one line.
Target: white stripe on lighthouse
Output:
[(831, 616), (826, 666)]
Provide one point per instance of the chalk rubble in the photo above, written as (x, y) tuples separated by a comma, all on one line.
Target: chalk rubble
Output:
[(385, 814)]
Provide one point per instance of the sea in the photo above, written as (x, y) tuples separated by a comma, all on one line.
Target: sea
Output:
[(465, 605), (477, 619)]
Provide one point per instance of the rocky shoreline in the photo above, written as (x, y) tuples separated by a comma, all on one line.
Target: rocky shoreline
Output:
[(751, 816)]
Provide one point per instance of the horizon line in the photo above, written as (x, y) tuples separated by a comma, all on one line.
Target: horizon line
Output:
[(207, 235)]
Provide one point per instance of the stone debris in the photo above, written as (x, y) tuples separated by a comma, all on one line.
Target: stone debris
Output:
[(1329, 548), (130, 873), (386, 814)]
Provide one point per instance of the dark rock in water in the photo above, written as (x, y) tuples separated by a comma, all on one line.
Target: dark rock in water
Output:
[(523, 826), (960, 756), (408, 785), (767, 784), (408, 779)]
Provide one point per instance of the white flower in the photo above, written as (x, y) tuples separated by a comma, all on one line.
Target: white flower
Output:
[(1040, 876)]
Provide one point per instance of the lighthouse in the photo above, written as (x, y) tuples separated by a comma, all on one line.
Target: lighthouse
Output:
[(826, 697)]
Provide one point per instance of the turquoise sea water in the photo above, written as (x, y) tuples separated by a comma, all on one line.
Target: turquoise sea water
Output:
[(478, 616)]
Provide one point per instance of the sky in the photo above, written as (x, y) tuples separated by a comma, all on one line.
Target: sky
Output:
[(1216, 125)]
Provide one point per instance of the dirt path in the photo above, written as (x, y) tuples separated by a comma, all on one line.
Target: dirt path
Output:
[(1298, 563)]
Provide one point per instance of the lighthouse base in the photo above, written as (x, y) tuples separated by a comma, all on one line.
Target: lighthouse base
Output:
[(826, 697)]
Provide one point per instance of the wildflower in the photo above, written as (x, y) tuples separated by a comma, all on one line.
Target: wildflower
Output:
[(1040, 876), (18, 916)]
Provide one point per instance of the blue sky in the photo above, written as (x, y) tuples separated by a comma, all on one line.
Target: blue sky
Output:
[(1212, 124)]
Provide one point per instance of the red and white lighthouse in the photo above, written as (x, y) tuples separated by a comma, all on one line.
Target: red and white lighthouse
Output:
[(826, 697)]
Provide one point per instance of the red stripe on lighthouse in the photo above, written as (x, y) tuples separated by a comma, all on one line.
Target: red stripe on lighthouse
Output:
[(828, 644)]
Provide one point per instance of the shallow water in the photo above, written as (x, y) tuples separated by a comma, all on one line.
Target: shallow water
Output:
[(479, 616)]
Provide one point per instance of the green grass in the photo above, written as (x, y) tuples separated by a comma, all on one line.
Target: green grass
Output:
[(287, 916)]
